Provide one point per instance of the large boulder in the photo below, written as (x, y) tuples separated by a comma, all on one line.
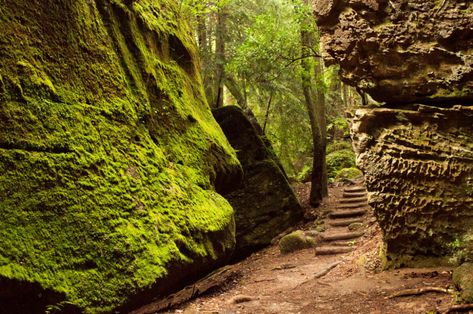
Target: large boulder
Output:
[(265, 204), (401, 51), (108, 157), (418, 164)]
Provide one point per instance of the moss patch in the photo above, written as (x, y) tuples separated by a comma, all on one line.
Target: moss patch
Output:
[(108, 152), (296, 241), (348, 173), (463, 279)]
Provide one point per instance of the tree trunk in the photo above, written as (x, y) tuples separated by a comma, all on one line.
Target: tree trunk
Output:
[(234, 89), (220, 56), (315, 104), (268, 107), (322, 122)]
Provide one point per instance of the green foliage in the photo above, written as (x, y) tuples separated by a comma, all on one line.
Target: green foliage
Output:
[(106, 181), (338, 145), (338, 125), (304, 174), (339, 160)]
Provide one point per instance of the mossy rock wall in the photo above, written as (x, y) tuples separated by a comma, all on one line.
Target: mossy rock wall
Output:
[(264, 202), (418, 164), (108, 157)]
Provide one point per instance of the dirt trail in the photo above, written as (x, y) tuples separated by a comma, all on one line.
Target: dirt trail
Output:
[(269, 282)]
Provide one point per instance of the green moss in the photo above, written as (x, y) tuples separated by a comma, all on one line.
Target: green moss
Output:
[(296, 241), (105, 181), (348, 173), (339, 160), (463, 279)]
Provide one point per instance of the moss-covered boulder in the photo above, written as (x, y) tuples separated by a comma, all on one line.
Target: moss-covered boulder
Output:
[(264, 203), (348, 174), (463, 279), (296, 241), (108, 157)]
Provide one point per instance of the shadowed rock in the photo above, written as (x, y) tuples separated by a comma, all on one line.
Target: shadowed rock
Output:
[(265, 204)]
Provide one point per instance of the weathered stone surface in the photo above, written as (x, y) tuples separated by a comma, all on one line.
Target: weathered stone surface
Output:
[(265, 204), (401, 51), (418, 164), (108, 157)]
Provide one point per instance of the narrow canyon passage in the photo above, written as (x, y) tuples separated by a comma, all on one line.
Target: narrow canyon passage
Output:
[(315, 280)]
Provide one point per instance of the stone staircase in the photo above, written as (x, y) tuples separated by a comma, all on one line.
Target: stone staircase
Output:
[(345, 224)]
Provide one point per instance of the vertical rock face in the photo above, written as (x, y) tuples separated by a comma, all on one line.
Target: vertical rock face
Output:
[(401, 51), (108, 157), (264, 204), (417, 159), (418, 164)]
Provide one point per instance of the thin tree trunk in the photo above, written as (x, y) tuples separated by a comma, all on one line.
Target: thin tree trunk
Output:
[(345, 92), (322, 122), (315, 104), (234, 89), (268, 107), (220, 56)]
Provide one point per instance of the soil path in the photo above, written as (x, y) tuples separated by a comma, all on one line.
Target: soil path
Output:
[(269, 282)]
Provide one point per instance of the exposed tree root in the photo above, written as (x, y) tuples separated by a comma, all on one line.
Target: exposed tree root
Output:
[(214, 280), (459, 308), (321, 273), (331, 250), (419, 291), (325, 271)]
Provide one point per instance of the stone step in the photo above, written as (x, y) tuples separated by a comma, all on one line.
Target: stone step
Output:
[(354, 189), (341, 236), (343, 243), (354, 200), (354, 194), (331, 250), (348, 213), (353, 205), (345, 222)]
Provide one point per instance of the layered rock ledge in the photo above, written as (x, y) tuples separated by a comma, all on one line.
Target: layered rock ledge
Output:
[(418, 164), (401, 51)]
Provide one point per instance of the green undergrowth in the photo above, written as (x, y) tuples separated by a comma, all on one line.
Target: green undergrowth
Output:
[(108, 151), (339, 160)]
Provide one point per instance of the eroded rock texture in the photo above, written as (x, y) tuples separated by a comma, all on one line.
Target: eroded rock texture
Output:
[(108, 157), (264, 203), (401, 51), (418, 163)]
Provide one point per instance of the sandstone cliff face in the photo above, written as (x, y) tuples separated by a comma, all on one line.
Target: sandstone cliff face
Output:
[(108, 157), (417, 159), (418, 164), (401, 51)]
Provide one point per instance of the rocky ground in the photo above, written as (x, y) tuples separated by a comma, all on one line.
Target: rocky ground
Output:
[(269, 282)]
